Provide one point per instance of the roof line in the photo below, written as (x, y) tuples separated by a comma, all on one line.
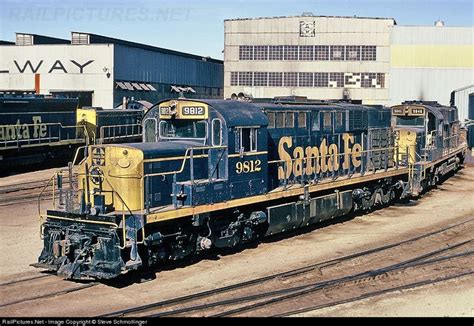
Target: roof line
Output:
[(47, 38), (308, 16), (96, 38)]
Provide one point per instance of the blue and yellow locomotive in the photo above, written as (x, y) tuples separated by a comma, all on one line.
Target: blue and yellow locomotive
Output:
[(216, 173), (35, 129)]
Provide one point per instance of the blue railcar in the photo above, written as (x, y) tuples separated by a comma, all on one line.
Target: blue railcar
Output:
[(215, 173), (34, 128)]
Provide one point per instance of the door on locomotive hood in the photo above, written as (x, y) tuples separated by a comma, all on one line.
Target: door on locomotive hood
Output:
[(248, 165), (217, 161), (217, 152)]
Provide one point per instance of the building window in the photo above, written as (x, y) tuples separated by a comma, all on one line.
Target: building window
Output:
[(290, 79), (245, 52), (353, 52), (368, 80), (352, 79), (234, 78), (321, 52), (381, 80), (321, 79), (245, 78), (290, 52), (260, 79), (261, 52), (336, 79), (369, 53), (306, 52), (275, 79), (275, 52), (337, 52), (305, 79)]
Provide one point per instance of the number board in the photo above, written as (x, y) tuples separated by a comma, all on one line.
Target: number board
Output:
[(180, 109)]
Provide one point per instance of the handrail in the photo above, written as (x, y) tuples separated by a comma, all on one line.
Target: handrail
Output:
[(183, 163), (38, 141)]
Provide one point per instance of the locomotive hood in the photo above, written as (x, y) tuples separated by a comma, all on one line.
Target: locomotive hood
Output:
[(164, 148)]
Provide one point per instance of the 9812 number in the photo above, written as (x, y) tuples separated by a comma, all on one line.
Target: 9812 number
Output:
[(248, 166)]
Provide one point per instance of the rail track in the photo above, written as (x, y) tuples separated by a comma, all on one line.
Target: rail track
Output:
[(426, 259), (27, 191), (40, 286)]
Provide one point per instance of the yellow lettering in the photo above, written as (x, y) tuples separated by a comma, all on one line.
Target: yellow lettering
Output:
[(356, 154), (298, 165), (333, 162), (10, 132), (39, 129), (323, 150), (246, 166), (283, 154), (348, 139), (26, 132), (312, 160)]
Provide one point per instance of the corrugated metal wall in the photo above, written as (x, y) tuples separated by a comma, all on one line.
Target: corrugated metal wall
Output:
[(134, 64), (461, 100), (429, 62), (328, 31)]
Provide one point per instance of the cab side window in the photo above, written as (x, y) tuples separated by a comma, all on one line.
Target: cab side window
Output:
[(247, 139), (151, 129), (216, 132)]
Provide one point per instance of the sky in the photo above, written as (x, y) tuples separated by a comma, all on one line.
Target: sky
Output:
[(198, 26)]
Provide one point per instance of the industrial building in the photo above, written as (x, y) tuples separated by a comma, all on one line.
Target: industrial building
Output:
[(367, 60), (101, 71)]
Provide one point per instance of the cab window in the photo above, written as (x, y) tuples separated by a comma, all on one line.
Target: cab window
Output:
[(175, 129), (150, 126), (247, 139), (410, 121), (216, 132)]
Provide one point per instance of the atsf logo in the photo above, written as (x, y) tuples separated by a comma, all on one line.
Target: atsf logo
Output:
[(22, 130), (316, 159)]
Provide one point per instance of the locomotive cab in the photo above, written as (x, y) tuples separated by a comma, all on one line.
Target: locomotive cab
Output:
[(424, 130)]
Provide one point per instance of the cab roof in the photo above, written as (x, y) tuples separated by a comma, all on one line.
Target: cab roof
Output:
[(237, 113)]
